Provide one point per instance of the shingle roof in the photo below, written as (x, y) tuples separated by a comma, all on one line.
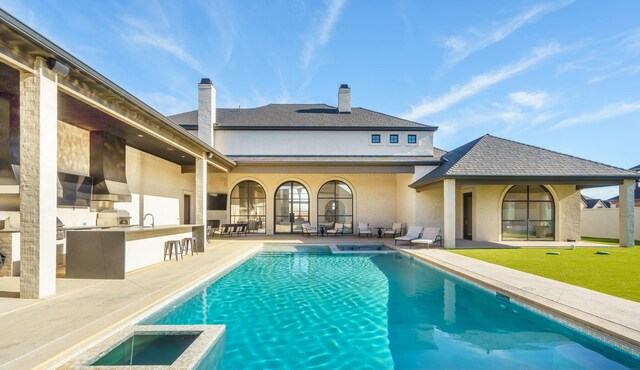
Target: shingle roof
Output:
[(490, 156), (302, 116), (636, 168), (591, 202)]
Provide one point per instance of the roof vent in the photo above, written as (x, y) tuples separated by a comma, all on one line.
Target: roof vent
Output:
[(344, 99)]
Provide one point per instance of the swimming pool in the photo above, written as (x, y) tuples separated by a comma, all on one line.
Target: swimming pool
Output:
[(378, 311)]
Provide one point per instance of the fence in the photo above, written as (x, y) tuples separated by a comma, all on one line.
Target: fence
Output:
[(603, 222)]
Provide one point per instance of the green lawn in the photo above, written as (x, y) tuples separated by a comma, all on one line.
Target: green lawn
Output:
[(617, 274)]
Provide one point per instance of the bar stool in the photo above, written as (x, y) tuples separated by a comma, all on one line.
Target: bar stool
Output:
[(170, 246), (189, 243)]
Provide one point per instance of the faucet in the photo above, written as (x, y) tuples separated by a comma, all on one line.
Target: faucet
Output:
[(153, 220)]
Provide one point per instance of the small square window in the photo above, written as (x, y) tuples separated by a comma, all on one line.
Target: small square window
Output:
[(412, 139), (393, 138), (375, 139)]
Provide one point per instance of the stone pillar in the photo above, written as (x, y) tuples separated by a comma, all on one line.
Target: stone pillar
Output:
[(201, 200), (449, 213), (38, 181), (626, 213)]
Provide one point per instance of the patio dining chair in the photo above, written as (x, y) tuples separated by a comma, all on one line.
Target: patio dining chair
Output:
[(394, 231), (364, 229), (223, 230), (338, 229), (307, 229)]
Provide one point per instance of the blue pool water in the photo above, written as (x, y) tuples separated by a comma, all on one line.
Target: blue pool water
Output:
[(324, 311)]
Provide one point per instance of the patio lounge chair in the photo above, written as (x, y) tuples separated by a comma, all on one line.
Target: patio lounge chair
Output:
[(429, 236), (223, 230), (337, 229), (413, 233), (241, 229), (395, 230), (307, 229), (363, 229)]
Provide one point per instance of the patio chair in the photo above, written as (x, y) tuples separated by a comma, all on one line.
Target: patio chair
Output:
[(337, 229), (223, 230), (394, 231), (241, 229), (429, 236), (364, 229), (307, 229), (413, 233)]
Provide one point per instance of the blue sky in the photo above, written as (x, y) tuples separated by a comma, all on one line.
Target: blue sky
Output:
[(564, 75)]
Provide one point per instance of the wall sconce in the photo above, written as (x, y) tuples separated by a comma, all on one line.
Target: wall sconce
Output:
[(57, 67), (209, 155)]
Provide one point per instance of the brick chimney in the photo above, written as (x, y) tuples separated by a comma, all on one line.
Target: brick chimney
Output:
[(206, 111), (344, 99)]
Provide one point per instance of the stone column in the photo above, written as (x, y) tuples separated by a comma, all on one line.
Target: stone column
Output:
[(449, 213), (626, 213), (201, 200), (38, 179)]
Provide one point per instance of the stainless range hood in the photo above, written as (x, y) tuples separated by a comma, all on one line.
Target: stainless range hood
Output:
[(108, 167)]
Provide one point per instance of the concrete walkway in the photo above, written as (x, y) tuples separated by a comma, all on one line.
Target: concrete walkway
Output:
[(617, 317), (39, 333)]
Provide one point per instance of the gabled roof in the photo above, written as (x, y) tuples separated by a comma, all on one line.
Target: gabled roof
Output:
[(302, 117), (493, 157), (591, 202), (636, 168)]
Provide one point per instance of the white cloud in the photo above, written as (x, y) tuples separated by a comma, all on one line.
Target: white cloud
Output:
[(534, 100), (460, 48), (607, 112), (142, 33), (479, 83), (322, 34)]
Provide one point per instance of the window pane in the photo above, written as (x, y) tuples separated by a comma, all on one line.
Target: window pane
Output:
[(514, 211), (327, 190), (375, 138), (537, 192), (541, 211), (518, 192), (411, 139), (541, 230), (514, 230), (393, 138), (343, 190)]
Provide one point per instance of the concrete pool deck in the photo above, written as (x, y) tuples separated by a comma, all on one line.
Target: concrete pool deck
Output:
[(40, 333), (617, 317)]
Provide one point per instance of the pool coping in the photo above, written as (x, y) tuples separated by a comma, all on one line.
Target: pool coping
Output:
[(208, 337), (612, 333), (141, 314)]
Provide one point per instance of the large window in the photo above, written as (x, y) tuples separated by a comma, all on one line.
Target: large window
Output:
[(291, 207), (335, 204), (249, 205), (528, 214)]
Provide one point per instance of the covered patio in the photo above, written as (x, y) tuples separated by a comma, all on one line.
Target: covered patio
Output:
[(496, 190)]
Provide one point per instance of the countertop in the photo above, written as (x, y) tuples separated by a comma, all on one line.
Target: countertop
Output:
[(133, 229)]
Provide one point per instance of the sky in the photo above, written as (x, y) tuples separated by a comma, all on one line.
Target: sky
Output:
[(563, 75)]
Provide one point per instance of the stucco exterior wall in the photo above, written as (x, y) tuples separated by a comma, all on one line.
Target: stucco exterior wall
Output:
[(604, 223), (374, 200), (487, 208), (157, 186), (267, 142)]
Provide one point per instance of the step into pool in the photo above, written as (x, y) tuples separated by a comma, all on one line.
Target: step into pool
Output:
[(377, 311)]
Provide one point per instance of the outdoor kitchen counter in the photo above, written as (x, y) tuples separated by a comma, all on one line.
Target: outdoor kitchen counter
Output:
[(100, 253)]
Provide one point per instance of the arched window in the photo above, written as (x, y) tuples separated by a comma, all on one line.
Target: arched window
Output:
[(528, 214), (249, 205), (335, 204), (291, 208)]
